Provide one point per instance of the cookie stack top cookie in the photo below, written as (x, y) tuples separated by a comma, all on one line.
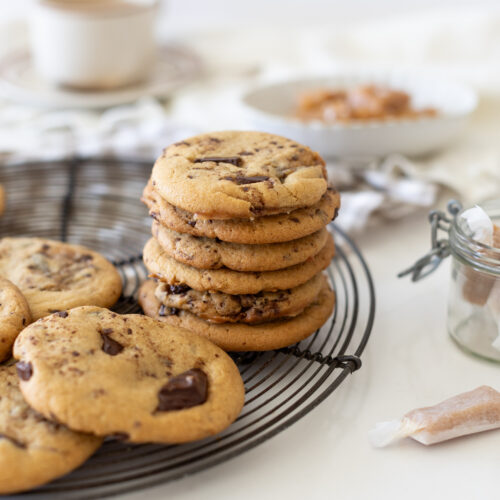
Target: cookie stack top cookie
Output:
[(227, 175), (239, 216)]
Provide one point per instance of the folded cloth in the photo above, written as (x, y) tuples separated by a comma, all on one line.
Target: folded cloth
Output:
[(139, 130), (395, 186), (378, 190)]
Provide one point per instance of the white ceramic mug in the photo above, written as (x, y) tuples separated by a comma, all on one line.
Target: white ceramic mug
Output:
[(93, 44)]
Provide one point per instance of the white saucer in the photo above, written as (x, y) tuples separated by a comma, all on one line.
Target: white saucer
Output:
[(19, 82)]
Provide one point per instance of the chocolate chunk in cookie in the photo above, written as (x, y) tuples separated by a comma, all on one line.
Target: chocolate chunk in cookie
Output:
[(183, 391), (233, 160)]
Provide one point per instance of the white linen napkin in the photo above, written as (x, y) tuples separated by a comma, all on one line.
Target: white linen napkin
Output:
[(141, 129)]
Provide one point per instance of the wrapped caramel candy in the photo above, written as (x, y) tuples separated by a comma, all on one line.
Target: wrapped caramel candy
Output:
[(477, 285), (467, 413)]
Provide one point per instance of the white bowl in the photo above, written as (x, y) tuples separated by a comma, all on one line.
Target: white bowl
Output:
[(270, 108)]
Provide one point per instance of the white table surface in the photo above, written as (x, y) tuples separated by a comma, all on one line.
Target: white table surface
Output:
[(409, 362)]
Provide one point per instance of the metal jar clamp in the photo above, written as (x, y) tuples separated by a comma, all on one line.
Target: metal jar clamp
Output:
[(440, 247)]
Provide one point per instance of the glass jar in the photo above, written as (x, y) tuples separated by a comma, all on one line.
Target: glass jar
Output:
[(474, 297)]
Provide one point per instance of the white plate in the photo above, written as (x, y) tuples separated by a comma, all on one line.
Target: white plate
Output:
[(270, 108), (19, 82)]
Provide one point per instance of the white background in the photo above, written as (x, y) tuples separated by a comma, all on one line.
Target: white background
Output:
[(202, 14)]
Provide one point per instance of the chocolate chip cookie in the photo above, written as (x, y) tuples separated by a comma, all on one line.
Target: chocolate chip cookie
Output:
[(209, 253), (53, 275), (241, 337), (14, 315), (233, 174), (127, 375), (217, 307), (168, 270), (34, 450), (255, 231)]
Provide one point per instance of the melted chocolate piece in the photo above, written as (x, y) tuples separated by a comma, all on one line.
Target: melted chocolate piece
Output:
[(233, 160), (167, 311), (119, 436), (239, 179), (178, 289), (110, 346), (24, 370), (62, 314), (183, 391), (84, 258), (15, 442)]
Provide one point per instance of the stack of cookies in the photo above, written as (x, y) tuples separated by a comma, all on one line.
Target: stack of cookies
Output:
[(240, 240)]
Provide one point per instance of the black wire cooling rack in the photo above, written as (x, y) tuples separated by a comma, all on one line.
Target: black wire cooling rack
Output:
[(95, 202)]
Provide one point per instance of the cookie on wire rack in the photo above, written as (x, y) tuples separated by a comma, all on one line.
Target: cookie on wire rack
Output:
[(34, 450), (253, 231), (170, 271), (55, 276), (240, 336), (14, 315), (127, 375), (213, 253), (233, 174)]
